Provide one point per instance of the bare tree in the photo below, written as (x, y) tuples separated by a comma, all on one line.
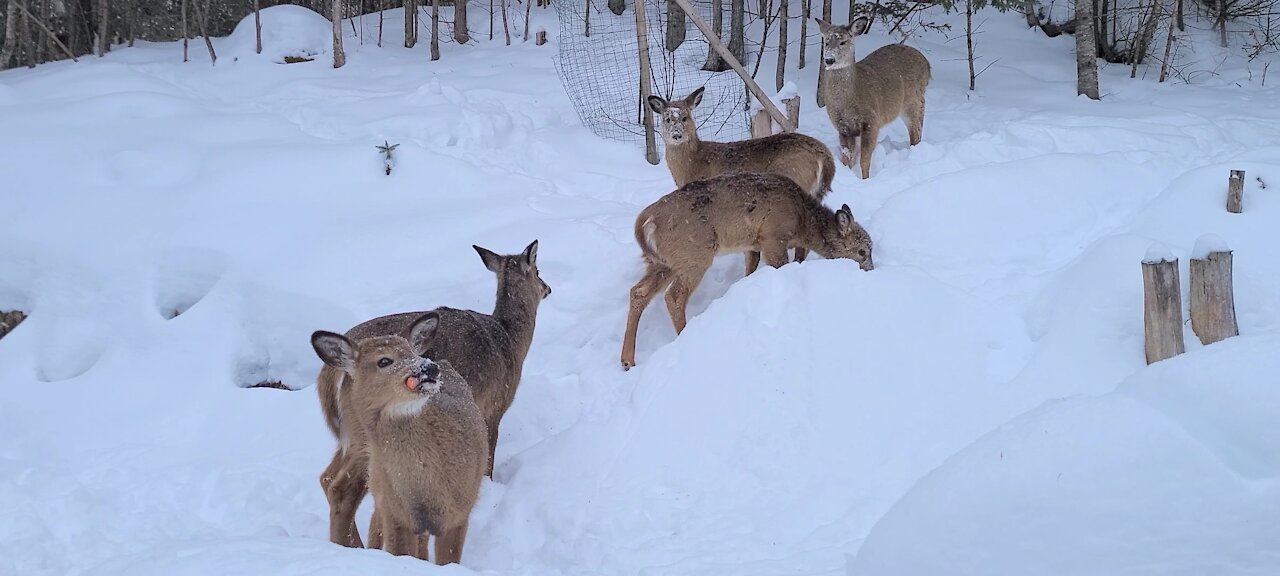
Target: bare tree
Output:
[(435, 30), (615, 6), (203, 21), (782, 44), (714, 62), (822, 70), (185, 34), (506, 30), (806, 9), (257, 25), (104, 22), (737, 24), (968, 41), (410, 23), (675, 26), (1086, 51), (10, 34), (339, 57), (460, 33)]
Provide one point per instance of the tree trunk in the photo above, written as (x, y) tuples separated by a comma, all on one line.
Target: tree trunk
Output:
[(185, 33), (1146, 35), (615, 6), (675, 26), (204, 31), (1168, 50), (11, 34), (461, 34), (435, 30), (257, 25), (806, 8), (1235, 192), (714, 62), (646, 88), (822, 70), (339, 58), (1222, 22), (1086, 51), (104, 27), (27, 53), (1181, 25), (783, 9), (506, 29), (1161, 310), (1213, 305), (528, 9), (737, 44), (410, 23), (968, 40)]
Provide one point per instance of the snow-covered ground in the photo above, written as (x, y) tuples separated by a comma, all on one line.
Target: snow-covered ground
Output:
[(978, 404)]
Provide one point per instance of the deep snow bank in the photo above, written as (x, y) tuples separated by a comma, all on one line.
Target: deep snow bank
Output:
[(789, 391), (287, 30), (1174, 473)]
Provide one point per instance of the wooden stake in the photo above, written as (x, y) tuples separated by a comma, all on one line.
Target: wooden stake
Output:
[(735, 64), (761, 126), (646, 87), (1161, 310), (1213, 305), (793, 111), (540, 38), (1235, 192), (822, 70)]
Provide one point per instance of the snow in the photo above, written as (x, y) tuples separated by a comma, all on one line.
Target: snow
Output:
[(789, 90), (1208, 244), (981, 396), (1159, 252)]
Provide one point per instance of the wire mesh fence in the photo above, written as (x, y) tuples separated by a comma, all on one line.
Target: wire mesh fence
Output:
[(599, 64)]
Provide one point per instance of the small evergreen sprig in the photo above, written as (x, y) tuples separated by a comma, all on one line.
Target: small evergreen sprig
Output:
[(386, 149)]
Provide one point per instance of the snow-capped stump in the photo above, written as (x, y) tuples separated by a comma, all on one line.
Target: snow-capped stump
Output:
[(290, 34), (1235, 192), (788, 99), (1162, 305), (1213, 305), (9, 320)]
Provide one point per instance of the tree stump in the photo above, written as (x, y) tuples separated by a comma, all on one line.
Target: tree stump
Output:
[(1235, 192), (1213, 305), (540, 38), (10, 320), (1162, 307), (761, 124)]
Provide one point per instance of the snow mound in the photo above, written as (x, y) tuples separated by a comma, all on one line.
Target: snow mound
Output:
[(286, 31), (1208, 244), (1157, 253), (1174, 473)]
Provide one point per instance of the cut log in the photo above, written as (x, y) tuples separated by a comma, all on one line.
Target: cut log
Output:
[(1162, 307), (1213, 305)]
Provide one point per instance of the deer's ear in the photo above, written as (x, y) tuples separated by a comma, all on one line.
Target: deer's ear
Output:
[(695, 98), (823, 25), (658, 104), (334, 349), (844, 218), (423, 331), (860, 25), (491, 261)]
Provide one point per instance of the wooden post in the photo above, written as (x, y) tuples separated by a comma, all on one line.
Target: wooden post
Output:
[(793, 111), (1235, 192), (761, 126), (1162, 308), (728, 56), (646, 87), (540, 38), (1213, 305)]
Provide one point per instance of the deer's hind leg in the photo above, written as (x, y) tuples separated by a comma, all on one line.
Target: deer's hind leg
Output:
[(449, 545), (914, 115), (345, 482), (682, 287), (775, 253), (655, 279), (752, 261)]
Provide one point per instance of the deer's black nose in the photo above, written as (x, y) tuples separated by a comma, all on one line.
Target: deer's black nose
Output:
[(431, 371), (830, 61)]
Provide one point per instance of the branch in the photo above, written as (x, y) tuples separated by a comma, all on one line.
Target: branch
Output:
[(23, 7)]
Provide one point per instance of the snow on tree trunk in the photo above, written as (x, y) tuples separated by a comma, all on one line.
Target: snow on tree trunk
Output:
[(1086, 51)]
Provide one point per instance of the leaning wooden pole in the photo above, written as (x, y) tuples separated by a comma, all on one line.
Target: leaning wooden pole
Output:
[(1162, 307), (646, 86), (1213, 304), (728, 56)]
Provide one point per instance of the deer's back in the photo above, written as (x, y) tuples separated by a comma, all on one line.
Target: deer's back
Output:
[(804, 159), (728, 213)]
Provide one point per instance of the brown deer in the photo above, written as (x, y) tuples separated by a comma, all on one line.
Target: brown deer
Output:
[(863, 96), (681, 233), (488, 350), (803, 159), (422, 436)]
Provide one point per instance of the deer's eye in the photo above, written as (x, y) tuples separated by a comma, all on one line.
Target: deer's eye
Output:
[(384, 362), (862, 253)]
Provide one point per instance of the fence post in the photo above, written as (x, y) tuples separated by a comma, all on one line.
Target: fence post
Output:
[(1235, 192), (1162, 306), (793, 111), (642, 42)]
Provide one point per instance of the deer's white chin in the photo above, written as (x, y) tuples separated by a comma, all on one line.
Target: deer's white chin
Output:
[(838, 66)]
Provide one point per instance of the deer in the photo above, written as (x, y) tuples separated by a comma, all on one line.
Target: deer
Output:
[(804, 159), (681, 233), (865, 95), (488, 350), (422, 436)]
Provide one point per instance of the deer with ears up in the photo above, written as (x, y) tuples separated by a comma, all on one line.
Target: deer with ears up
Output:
[(803, 159), (422, 436), (681, 233), (488, 350), (865, 95)]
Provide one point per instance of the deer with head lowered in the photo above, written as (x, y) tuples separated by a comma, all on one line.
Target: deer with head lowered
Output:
[(421, 433), (803, 159), (681, 233), (865, 95), (488, 350)]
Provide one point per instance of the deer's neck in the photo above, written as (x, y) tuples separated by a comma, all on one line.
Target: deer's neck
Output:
[(517, 311), (840, 81), (819, 224), (686, 160)]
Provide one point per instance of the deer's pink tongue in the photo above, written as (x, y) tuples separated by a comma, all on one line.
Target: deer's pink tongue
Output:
[(411, 383)]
